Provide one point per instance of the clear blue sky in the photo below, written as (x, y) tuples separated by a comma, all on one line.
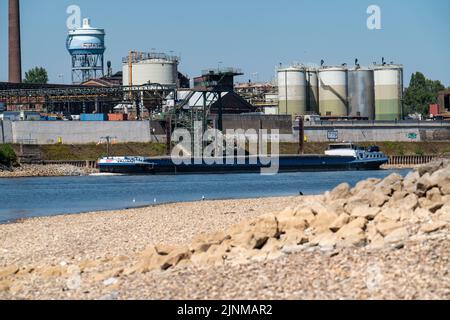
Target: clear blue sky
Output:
[(254, 35)]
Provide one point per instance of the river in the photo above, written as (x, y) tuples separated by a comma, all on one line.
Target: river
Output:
[(34, 197)]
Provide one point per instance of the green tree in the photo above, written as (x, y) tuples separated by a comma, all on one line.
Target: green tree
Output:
[(421, 93), (7, 155), (36, 75)]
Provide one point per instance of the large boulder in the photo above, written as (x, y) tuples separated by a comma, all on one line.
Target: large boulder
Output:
[(365, 186), (366, 212), (340, 222), (390, 184), (444, 213), (410, 182), (355, 202), (203, 242), (441, 179), (352, 237), (255, 234), (433, 226), (409, 203), (396, 235), (323, 221), (340, 192), (386, 227), (352, 227)]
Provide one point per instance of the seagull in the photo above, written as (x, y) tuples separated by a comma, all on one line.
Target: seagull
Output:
[(203, 198), (154, 201), (134, 200)]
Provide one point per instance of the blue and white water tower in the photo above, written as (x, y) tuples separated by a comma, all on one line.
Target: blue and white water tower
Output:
[(86, 45)]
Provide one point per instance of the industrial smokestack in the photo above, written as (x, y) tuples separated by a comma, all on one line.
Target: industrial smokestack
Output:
[(15, 59)]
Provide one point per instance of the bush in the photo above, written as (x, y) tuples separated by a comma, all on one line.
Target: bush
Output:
[(419, 152), (8, 156)]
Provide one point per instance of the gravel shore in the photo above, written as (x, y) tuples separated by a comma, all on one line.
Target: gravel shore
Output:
[(383, 239), (46, 171)]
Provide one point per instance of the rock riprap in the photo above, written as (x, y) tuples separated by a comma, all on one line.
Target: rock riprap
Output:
[(46, 171), (373, 214)]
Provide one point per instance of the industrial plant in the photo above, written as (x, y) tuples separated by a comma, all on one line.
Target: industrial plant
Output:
[(151, 87), (359, 93)]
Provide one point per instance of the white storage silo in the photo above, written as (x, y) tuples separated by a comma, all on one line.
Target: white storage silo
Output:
[(333, 82), (292, 91), (151, 68), (388, 92)]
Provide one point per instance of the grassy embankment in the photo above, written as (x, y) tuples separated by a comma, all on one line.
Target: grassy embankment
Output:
[(93, 152)]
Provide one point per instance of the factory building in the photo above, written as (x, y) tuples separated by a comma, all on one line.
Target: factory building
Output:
[(232, 103), (217, 79), (263, 96), (444, 100)]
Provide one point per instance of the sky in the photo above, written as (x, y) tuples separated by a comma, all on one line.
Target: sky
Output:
[(253, 35)]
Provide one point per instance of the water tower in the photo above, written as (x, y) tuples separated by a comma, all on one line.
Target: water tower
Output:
[(86, 45)]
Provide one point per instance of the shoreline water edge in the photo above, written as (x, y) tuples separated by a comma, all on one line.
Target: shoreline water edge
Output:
[(56, 170), (374, 240)]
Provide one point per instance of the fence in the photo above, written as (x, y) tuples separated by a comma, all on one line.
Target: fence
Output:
[(75, 163), (410, 160)]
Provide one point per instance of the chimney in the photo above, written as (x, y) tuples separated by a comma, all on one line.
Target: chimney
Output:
[(15, 60)]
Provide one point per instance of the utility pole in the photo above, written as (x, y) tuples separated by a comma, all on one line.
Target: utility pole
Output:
[(108, 140), (301, 134)]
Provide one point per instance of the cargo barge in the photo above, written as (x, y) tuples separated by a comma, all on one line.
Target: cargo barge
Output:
[(339, 157)]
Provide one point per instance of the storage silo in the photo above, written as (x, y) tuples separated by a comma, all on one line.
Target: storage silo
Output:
[(152, 68), (292, 91), (361, 93), (388, 92), (312, 91), (333, 83)]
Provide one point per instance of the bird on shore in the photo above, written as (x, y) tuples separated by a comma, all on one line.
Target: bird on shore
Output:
[(154, 201), (203, 198)]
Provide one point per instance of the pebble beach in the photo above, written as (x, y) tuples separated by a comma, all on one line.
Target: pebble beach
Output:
[(383, 239)]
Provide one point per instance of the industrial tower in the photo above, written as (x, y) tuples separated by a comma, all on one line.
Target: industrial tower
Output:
[(15, 60), (86, 45)]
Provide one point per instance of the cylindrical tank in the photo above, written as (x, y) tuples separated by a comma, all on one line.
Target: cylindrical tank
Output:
[(388, 92), (292, 91), (312, 91), (333, 91), (152, 68), (361, 93), (86, 40)]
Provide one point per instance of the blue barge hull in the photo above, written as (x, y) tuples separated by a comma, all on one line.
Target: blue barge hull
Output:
[(296, 163)]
